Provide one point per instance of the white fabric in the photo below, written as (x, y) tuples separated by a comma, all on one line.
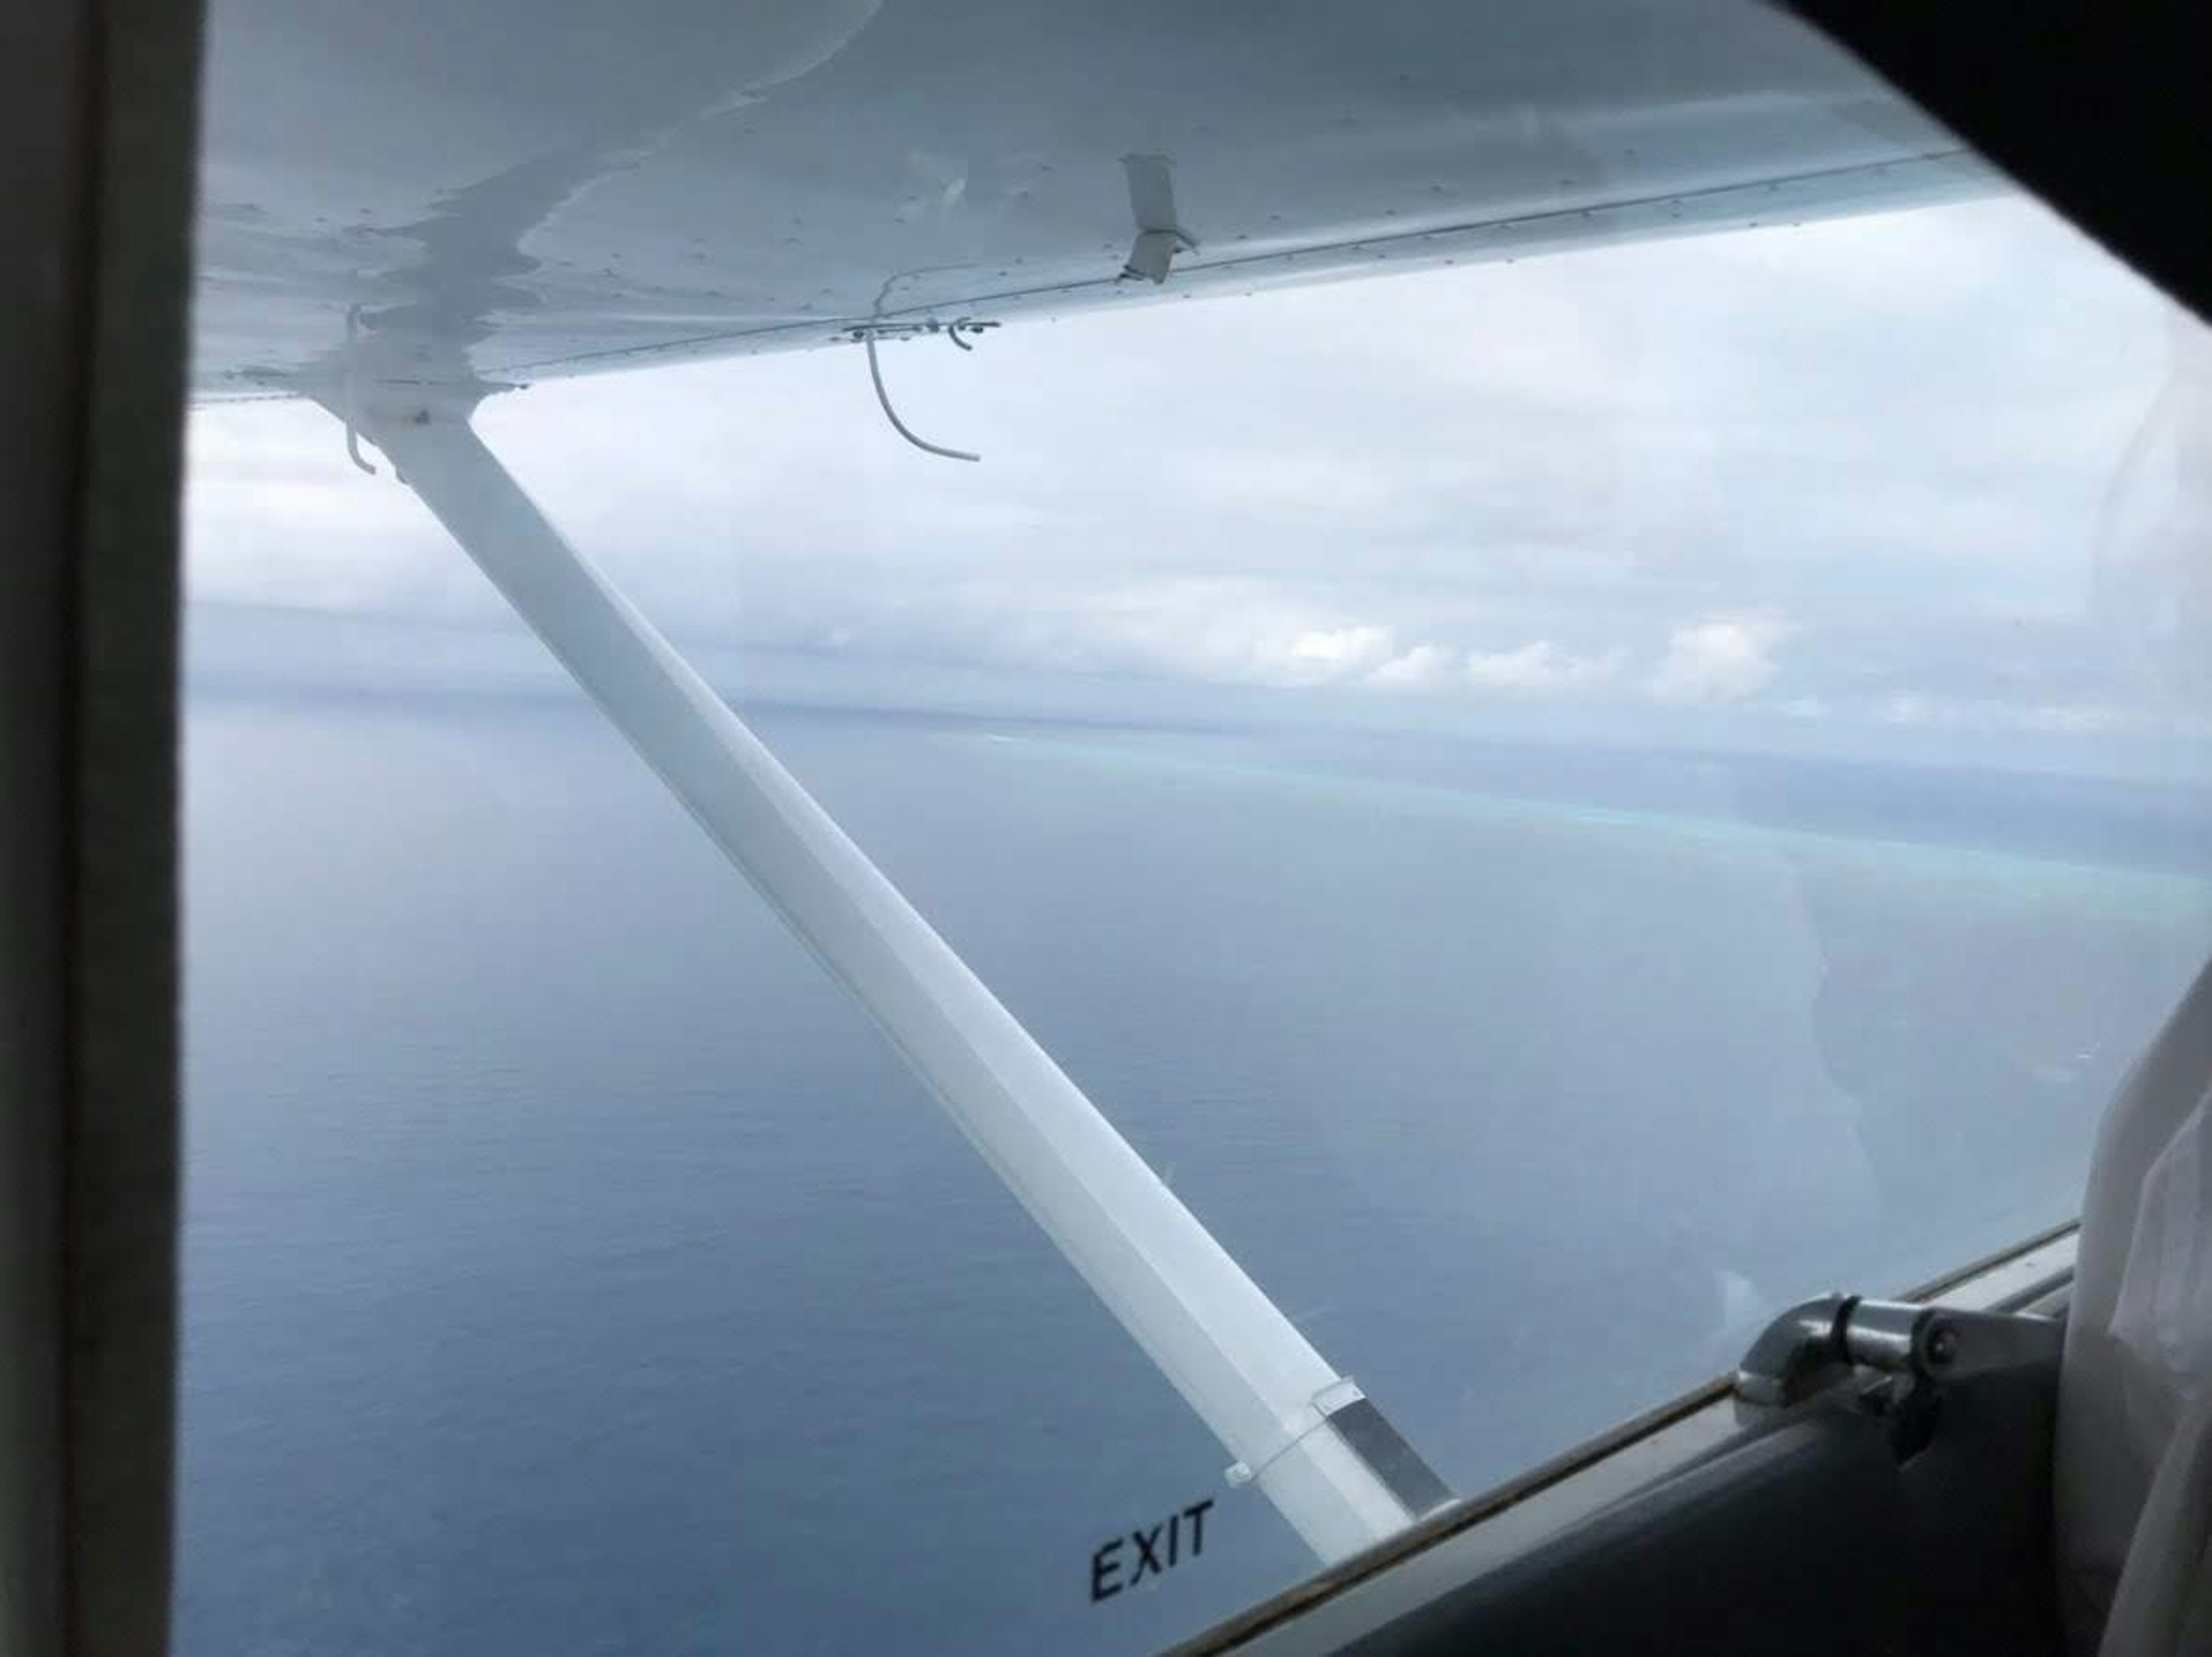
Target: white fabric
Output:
[(2139, 1334), (2162, 1324), (2164, 1606)]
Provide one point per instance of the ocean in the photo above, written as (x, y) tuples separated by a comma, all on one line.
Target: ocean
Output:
[(568, 1268)]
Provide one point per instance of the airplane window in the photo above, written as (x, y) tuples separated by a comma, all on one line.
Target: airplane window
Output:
[(1559, 803)]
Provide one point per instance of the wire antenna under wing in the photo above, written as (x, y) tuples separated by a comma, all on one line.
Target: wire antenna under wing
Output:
[(868, 332)]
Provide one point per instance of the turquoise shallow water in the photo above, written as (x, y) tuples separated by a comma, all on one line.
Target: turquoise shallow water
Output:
[(2161, 897), (569, 1269)]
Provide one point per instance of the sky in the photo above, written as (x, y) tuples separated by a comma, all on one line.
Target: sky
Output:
[(1906, 481)]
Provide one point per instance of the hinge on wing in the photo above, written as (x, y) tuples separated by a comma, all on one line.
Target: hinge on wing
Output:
[(1160, 234)]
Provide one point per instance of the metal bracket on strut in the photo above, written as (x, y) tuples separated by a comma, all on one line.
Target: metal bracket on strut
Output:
[(1817, 1341), (1331, 1398)]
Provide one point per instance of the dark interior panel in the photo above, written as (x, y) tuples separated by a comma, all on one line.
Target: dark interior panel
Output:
[(1844, 1529)]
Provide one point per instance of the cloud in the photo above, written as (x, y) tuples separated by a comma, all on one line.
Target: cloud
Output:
[(1590, 487), (1423, 664), (2060, 716), (1541, 665), (1339, 652), (1235, 631), (1357, 654), (1720, 659), (1915, 708)]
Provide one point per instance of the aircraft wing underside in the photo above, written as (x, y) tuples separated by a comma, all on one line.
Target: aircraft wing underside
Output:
[(564, 188)]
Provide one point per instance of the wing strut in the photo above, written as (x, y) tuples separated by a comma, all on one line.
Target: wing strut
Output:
[(1302, 1434)]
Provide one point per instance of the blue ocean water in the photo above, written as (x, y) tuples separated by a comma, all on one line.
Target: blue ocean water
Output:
[(569, 1268)]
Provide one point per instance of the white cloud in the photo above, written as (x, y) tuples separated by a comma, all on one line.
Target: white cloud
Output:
[(1353, 654), (1423, 664), (2057, 716), (1981, 713), (1592, 482), (1339, 652), (1541, 665), (1722, 658)]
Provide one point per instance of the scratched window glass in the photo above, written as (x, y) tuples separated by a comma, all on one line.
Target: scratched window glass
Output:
[(1000, 818)]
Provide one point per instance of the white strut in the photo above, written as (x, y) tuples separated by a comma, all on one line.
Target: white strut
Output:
[(1250, 1375)]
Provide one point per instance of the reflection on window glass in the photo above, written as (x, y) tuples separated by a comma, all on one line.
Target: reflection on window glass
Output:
[(1561, 805)]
